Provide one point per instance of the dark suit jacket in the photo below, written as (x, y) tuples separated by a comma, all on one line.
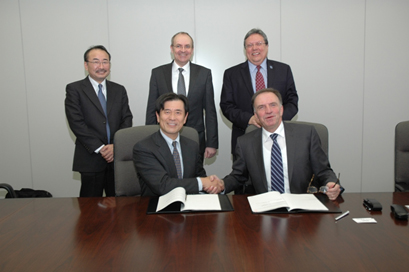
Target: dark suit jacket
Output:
[(87, 121), (237, 90), (156, 169), (200, 95), (305, 157)]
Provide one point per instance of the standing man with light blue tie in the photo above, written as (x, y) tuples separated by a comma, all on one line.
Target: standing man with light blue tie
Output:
[(96, 108), (181, 76), (240, 82)]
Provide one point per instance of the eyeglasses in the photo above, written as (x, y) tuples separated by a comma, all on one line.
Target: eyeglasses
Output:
[(98, 63), (257, 44), (179, 46), (323, 189), (314, 190)]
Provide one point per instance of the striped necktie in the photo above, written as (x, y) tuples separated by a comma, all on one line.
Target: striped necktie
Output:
[(277, 176), (176, 158)]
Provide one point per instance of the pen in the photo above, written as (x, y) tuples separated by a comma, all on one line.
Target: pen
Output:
[(339, 174), (342, 215)]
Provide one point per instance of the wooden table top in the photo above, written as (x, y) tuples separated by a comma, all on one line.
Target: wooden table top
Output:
[(115, 234)]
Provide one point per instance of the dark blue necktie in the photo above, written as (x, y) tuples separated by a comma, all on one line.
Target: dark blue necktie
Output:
[(176, 158), (103, 102), (277, 176)]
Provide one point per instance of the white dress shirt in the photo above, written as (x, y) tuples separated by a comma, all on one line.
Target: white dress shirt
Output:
[(267, 144), (175, 76)]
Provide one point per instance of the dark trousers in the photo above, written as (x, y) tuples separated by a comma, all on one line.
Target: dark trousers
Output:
[(94, 184)]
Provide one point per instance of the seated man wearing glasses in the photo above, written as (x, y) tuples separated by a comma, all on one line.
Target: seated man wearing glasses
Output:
[(280, 156)]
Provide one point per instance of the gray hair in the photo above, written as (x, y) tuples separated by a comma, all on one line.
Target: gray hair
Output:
[(256, 31), (184, 33)]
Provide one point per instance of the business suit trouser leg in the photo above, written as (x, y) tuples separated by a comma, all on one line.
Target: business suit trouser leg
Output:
[(93, 184)]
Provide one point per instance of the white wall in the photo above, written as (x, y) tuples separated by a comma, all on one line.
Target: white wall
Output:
[(349, 59)]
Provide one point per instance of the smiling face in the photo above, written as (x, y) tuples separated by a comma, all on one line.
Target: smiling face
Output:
[(182, 49), (256, 49), (269, 110), (172, 118), (97, 65)]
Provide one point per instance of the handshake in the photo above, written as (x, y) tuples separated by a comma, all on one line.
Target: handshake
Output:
[(212, 184)]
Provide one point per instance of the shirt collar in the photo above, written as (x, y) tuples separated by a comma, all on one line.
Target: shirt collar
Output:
[(168, 140), (95, 84), (186, 68), (279, 131), (253, 67)]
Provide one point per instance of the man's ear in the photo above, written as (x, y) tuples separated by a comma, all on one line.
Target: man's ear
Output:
[(184, 121)]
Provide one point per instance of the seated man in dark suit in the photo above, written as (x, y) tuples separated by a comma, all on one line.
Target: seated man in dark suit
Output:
[(166, 160), (280, 156)]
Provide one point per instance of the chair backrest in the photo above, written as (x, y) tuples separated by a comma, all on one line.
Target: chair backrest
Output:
[(402, 156), (9, 189), (320, 128), (126, 179)]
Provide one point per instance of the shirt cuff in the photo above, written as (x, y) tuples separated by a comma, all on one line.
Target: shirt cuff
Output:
[(199, 184)]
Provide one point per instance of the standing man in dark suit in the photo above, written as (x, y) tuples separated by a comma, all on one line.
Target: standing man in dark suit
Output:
[(96, 108), (280, 156), (242, 81), (166, 160), (195, 82)]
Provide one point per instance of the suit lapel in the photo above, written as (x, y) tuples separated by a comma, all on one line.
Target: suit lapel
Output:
[(164, 152), (291, 143), (167, 75), (245, 73), (194, 71), (111, 96), (90, 92), (270, 74), (257, 144), (189, 162)]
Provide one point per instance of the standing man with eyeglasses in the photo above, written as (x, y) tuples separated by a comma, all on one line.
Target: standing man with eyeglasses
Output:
[(96, 108), (242, 81), (181, 76)]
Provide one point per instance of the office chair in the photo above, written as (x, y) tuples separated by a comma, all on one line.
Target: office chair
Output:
[(9, 189), (126, 178), (320, 128), (402, 157)]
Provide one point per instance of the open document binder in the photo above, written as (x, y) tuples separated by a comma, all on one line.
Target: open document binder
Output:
[(177, 201), (274, 202)]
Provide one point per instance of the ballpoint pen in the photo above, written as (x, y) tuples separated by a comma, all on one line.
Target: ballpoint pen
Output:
[(339, 174), (342, 215)]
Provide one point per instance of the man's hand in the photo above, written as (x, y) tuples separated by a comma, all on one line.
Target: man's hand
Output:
[(107, 152), (332, 191), (212, 184), (210, 152), (254, 121)]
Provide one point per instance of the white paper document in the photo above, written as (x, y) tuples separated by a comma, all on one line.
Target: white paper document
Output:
[(274, 200), (199, 202)]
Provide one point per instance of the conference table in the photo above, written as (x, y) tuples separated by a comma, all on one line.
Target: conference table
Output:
[(116, 234)]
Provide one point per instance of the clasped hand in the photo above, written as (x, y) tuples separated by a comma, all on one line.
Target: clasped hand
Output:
[(212, 184)]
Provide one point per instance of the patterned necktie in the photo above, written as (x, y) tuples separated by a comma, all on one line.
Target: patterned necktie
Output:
[(259, 80), (103, 102), (176, 158), (181, 83), (277, 176)]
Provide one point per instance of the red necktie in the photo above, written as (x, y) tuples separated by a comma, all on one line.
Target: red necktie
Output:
[(259, 80)]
